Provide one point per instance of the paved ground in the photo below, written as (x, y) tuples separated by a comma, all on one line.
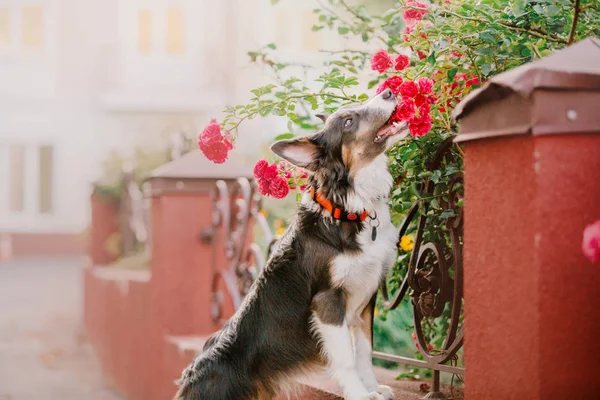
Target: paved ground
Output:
[(43, 352)]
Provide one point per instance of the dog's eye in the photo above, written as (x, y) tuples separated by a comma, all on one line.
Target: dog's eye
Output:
[(348, 123)]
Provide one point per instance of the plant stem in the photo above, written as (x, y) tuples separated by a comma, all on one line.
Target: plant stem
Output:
[(236, 125), (575, 20), (537, 32)]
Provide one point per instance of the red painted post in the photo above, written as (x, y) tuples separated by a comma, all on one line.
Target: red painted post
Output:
[(532, 165), (182, 269), (104, 224)]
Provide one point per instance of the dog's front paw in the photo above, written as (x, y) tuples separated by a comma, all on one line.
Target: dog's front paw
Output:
[(374, 396), (386, 392)]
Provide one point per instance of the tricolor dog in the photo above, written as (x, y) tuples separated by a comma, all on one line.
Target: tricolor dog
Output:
[(303, 311)]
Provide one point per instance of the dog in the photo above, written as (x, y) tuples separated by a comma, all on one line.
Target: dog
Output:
[(304, 310)]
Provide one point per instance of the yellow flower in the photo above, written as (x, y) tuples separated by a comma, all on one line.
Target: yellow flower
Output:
[(407, 243), (264, 213), (278, 223), (280, 231)]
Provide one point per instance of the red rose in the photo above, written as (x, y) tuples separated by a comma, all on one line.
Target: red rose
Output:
[(279, 188), (260, 167), (409, 89), (424, 109), (404, 111), (420, 126), (214, 143), (270, 172), (393, 83), (421, 55), (381, 61), (425, 85), (591, 242), (402, 61), (263, 187), (414, 15)]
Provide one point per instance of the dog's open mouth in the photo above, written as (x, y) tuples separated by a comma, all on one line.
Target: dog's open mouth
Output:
[(390, 128)]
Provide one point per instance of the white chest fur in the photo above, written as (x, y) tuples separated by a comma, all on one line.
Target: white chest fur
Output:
[(359, 273)]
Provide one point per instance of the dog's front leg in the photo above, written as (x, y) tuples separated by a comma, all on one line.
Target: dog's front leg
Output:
[(364, 363), (336, 343)]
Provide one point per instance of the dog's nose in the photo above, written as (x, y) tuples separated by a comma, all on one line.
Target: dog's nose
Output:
[(387, 94)]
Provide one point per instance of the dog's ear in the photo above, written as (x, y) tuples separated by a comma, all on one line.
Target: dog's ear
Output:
[(323, 116), (301, 152)]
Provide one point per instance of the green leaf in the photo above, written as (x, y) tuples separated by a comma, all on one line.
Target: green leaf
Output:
[(313, 101), (486, 69), (452, 73), (365, 37), (431, 58), (272, 46), (342, 30), (486, 36), (518, 7), (447, 214), (284, 136)]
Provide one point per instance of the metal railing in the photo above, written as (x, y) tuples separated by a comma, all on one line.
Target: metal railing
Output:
[(433, 279)]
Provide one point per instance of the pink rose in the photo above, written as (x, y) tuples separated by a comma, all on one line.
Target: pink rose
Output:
[(409, 89), (381, 61), (420, 126), (263, 187), (404, 111), (393, 83), (425, 85), (214, 143), (270, 172), (591, 242), (260, 167), (411, 15), (402, 62), (279, 188)]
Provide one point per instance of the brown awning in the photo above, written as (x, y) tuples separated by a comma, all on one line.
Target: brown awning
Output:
[(557, 94)]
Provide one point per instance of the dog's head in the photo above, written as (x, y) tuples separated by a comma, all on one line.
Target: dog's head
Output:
[(352, 139)]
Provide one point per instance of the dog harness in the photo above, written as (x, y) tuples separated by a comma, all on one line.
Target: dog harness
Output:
[(336, 211)]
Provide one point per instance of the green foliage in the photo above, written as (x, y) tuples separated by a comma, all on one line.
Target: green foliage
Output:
[(458, 44)]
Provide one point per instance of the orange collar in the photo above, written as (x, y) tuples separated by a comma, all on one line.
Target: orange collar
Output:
[(336, 211)]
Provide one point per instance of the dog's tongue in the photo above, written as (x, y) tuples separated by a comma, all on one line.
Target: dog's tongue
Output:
[(389, 129)]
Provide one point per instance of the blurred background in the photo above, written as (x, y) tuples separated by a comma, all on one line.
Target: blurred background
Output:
[(89, 91), (83, 82)]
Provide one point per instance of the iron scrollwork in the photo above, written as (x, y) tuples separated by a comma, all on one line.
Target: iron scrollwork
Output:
[(429, 281), (434, 277)]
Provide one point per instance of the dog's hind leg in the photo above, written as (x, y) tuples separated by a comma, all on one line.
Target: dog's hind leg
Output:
[(336, 344)]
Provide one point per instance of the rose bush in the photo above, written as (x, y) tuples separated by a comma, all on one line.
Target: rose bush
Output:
[(430, 55)]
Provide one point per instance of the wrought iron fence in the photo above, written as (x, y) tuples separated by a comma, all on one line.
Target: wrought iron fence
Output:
[(433, 279)]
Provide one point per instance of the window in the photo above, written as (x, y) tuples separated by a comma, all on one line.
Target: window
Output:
[(30, 179), (175, 43), (16, 189), (169, 22), (4, 27), (311, 38), (283, 29), (32, 27), (46, 172), (145, 31)]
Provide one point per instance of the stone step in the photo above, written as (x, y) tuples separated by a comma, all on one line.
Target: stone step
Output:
[(322, 387)]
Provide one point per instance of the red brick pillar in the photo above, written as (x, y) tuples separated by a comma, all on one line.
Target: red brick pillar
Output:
[(182, 244), (532, 183)]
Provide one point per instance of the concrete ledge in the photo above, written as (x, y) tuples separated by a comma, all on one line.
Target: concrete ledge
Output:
[(320, 386)]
